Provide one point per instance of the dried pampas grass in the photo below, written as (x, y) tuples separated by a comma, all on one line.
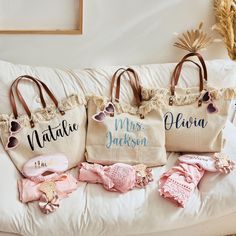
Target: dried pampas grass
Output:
[(194, 40), (225, 12)]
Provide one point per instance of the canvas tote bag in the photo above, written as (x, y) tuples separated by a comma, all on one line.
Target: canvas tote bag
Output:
[(118, 132), (59, 127), (194, 118)]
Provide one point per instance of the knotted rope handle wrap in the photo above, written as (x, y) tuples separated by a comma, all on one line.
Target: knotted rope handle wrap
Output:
[(176, 75), (39, 84), (134, 82)]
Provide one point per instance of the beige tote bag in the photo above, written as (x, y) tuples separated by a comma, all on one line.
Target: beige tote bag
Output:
[(118, 132), (56, 128), (194, 118)]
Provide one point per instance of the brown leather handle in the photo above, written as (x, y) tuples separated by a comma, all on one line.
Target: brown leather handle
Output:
[(135, 85), (200, 58), (39, 83), (113, 80), (176, 75), (51, 95), (134, 82), (12, 98)]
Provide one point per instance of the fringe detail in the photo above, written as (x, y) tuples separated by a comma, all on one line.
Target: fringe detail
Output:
[(188, 96), (44, 114), (147, 94), (226, 93), (101, 102), (182, 97), (148, 106), (159, 98)]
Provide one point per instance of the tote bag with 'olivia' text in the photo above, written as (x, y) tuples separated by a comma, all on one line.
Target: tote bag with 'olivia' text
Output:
[(194, 118)]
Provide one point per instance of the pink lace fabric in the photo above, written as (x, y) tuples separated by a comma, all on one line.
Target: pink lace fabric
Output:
[(179, 182), (118, 177), (29, 190)]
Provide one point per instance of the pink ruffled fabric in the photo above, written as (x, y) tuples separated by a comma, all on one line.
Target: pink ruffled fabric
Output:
[(41, 178), (118, 177), (28, 189), (179, 182)]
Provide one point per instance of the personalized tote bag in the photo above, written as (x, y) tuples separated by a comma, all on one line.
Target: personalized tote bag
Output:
[(118, 132), (58, 127), (194, 118)]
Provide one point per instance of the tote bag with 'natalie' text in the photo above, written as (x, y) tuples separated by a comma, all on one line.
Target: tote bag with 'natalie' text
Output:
[(56, 128)]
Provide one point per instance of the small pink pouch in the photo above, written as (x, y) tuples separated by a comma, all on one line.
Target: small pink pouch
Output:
[(45, 167)]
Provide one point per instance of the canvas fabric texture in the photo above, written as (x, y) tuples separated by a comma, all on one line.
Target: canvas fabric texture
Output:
[(124, 137), (53, 132), (189, 126)]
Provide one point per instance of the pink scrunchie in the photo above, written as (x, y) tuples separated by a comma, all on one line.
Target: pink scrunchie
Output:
[(179, 182), (47, 206)]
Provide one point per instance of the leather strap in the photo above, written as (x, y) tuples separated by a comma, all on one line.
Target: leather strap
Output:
[(200, 58), (39, 83), (176, 75), (12, 98), (113, 80), (136, 79), (51, 95), (134, 82), (135, 85)]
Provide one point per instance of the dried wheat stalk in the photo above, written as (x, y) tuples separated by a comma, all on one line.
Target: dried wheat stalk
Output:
[(193, 40), (225, 12)]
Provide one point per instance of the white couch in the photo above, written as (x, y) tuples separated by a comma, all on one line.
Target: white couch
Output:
[(92, 211)]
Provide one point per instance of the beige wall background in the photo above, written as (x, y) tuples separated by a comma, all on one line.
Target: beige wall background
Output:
[(116, 32)]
